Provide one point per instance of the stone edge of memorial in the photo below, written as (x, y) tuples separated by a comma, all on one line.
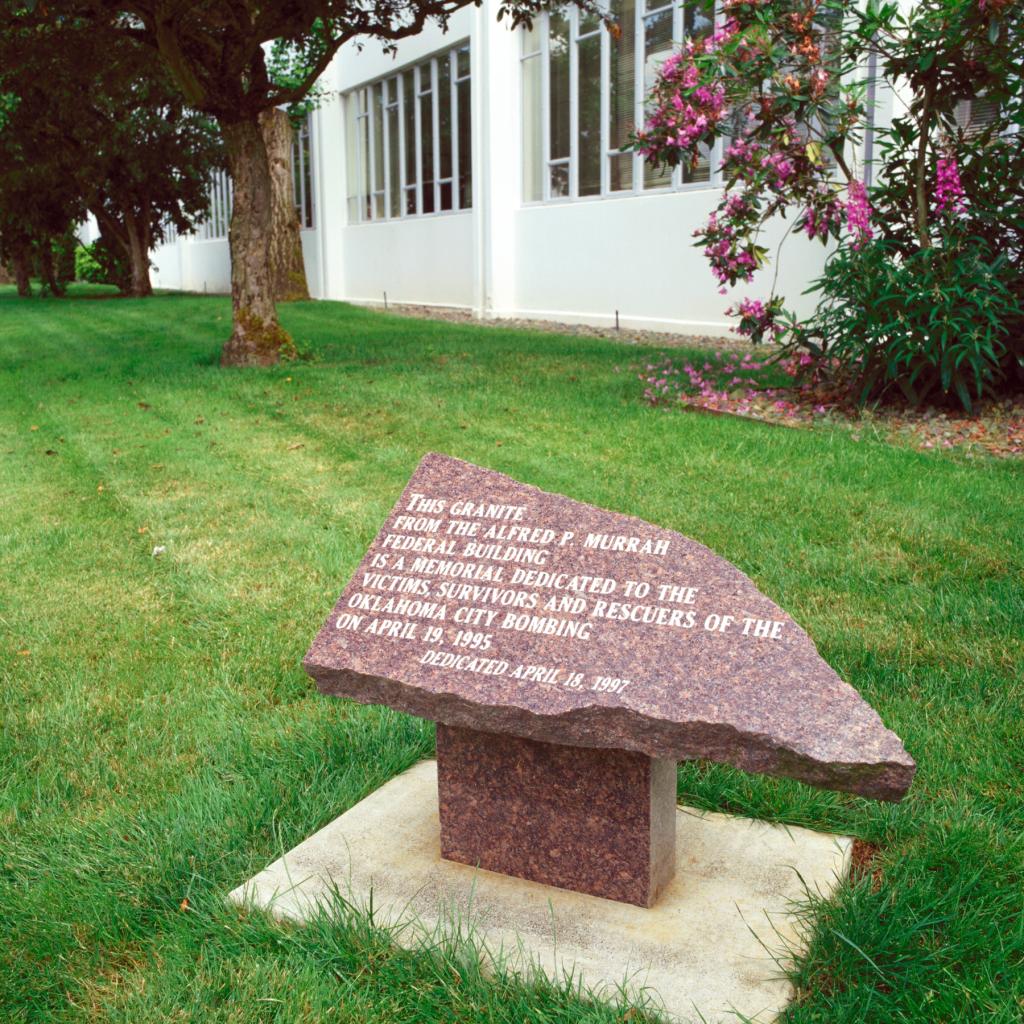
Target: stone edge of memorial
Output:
[(880, 780), (885, 778)]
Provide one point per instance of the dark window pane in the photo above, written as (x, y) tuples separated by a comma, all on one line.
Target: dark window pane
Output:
[(444, 115), (621, 172), (622, 93), (589, 113), (409, 119), (394, 164), (558, 42), (559, 181), (657, 46), (696, 24), (465, 146), (307, 176), (378, 139), (427, 141), (364, 165)]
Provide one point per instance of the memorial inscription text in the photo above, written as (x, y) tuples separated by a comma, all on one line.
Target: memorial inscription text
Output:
[(457, 576)]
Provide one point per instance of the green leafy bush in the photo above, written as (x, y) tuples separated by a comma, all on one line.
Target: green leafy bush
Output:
[(923, 325), (87, 267), (98, 264)]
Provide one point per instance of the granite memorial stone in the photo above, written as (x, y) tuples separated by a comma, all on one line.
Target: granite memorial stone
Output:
[(571, 656)]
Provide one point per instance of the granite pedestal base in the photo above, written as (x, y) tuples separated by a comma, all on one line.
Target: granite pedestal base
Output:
[(596, 821), (705, 952)]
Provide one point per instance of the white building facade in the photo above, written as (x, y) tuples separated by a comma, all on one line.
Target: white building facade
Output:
[(482, 169)]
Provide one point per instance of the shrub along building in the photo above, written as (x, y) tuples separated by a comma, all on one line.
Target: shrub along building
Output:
[(482, 169)]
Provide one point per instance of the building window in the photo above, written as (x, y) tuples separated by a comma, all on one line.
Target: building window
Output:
[(302, 173), (218, 217), (583, 93), (975, 116), (409, 141)]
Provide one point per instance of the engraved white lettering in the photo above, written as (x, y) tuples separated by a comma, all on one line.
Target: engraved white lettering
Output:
[(625, 544)]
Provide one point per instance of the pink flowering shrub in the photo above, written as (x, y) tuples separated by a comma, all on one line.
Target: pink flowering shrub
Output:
[(778, 87), (949, 193), (858, 214)]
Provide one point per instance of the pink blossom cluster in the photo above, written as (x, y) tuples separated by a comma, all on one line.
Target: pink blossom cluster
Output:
[(774, 134), (756, 320), (722, 35), (779, 165), (823, 217), (949, 192), (731, 259), (858, 213), (821, 223), (686, 110), (687, 118)]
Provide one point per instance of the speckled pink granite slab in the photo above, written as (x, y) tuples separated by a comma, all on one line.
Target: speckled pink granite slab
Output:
[(492, 605), (597, 821)]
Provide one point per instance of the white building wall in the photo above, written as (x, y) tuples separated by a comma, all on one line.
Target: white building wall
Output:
[(204, 265), (577, 260), (580, 261), (424, 260)]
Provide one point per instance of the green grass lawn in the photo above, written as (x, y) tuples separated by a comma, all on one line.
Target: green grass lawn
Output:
[(160, 742)]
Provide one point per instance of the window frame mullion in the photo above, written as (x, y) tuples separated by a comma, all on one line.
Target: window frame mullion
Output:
[(371, 141), (435, 119), (418, 114), (605, 134), (545, 103), (574, 107), (304, 139), (402, 183), (385, 96), (362, 159), (639, 52)]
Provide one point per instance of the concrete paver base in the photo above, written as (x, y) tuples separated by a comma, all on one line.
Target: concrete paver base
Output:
[(706, 951)]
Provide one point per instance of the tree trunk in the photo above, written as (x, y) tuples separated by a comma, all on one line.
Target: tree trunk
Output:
[(920, 170), (46, 266), (287, 268), (22, 272), (138, 256), (257, 339), (116, 261)]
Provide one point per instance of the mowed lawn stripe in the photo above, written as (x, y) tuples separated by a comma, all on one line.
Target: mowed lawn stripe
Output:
[(173, 746)]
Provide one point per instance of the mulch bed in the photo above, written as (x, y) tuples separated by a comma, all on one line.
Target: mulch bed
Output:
[(778, 392)]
